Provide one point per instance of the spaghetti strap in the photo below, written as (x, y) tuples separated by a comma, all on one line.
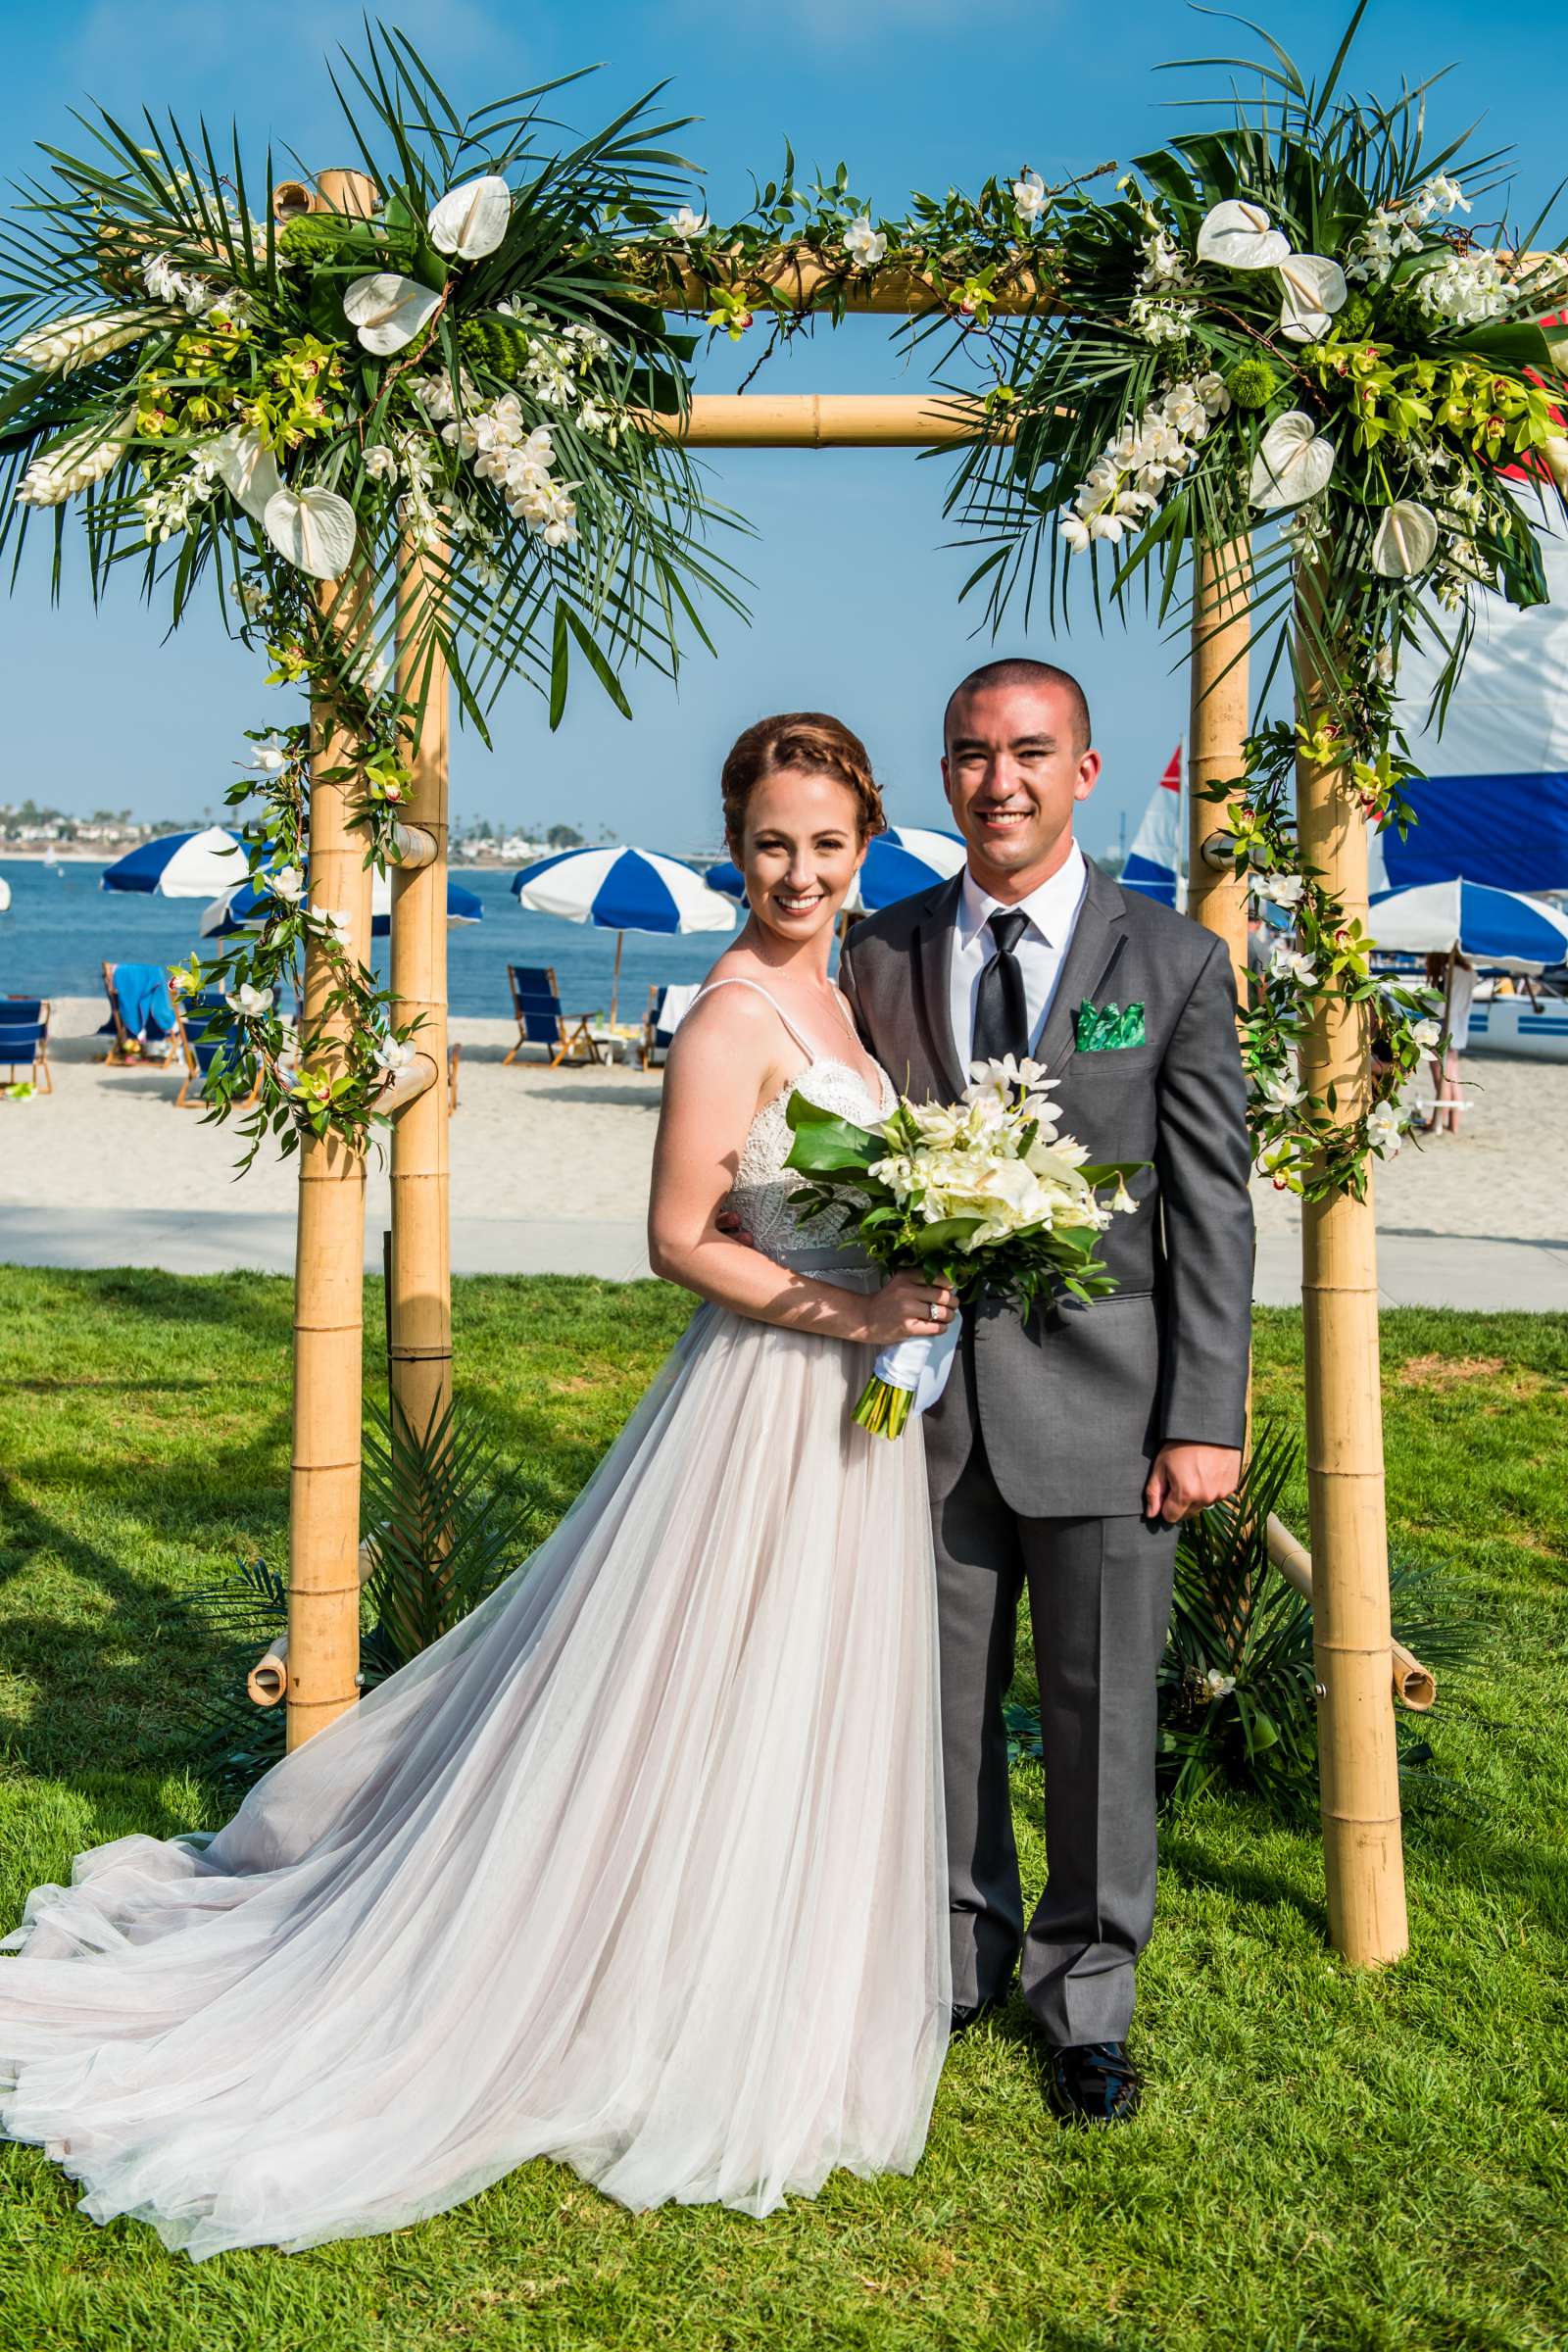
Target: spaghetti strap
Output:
[(738, 980)]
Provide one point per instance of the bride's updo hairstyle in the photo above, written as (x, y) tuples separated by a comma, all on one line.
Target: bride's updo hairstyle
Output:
[(800, 742)]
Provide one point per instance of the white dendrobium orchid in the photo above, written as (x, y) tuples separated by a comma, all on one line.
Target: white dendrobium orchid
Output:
[(1029, 195), (1426, 1034), (687, 225), (472, 220), (287, 884), (248, 471), (1292, 463), (268, 759), (1384, 1129), (1406, 540), (1241, 236), (1281, 1090), (381, 462), (1314, 289), (394, 1052), (1217, 1684), (250, 1001), (1280, 890), (864, 245), (1291, 964), (388, 311), (311, 529)]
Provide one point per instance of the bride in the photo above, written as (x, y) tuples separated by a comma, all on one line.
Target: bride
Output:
[(640, 1867)]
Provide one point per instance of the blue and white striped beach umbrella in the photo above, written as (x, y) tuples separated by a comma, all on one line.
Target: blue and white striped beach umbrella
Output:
[(246, 905), (897, 862), (180, 865), (621, 890), (1489, 926)]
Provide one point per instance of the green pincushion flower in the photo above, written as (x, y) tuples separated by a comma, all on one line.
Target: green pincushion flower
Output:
[(1252, 383), (499, 345), (1356, 318), (314, 237)]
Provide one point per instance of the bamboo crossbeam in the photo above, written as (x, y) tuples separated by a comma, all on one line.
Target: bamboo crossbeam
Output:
[(1359, 1764), (831, 420), (323, 1590), (419, 1309), (1414, 1685), (805, 280), (404, 1088), (413, 845)]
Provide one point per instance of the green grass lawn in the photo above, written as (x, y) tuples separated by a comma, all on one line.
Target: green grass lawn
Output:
[(1323, 2160)]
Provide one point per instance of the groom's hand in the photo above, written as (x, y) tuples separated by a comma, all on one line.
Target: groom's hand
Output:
[(1187, 1479), (730, 1226)]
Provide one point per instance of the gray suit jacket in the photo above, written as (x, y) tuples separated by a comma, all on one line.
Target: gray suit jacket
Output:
[(1075, 1400)]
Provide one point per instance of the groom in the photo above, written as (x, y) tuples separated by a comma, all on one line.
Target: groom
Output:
[(1071, 1442)]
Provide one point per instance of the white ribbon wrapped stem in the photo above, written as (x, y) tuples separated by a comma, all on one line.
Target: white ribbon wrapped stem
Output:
[(920, 1367)]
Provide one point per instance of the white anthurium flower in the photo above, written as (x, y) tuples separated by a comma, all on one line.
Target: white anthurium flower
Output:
[(1314, 289), (472, 220), (311, 529), (388, 311), (247, 470), (864, 244), (1406, 540), (250, 1001), (1294, 461), (287, 884), (1241, 236)]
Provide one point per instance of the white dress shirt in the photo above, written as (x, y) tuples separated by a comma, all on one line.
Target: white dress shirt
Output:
[(1051, 909)]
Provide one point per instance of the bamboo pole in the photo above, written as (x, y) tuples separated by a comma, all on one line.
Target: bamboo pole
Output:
[(1216, 892), (420, 1302), (324, 1586), (831, 420), (1357, 1762), (1414, 1685)]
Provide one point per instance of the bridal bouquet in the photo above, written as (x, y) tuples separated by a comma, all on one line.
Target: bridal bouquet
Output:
[(981, 1194)]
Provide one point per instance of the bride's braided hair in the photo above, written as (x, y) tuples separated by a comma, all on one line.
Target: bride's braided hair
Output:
[(809, 742)]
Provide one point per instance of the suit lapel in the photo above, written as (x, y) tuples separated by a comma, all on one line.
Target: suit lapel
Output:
[(1098, 939), (932, 944)]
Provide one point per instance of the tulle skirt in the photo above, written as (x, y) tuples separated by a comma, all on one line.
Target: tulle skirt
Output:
[(640, 1868)]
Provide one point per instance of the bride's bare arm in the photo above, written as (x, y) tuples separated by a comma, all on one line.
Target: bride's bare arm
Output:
[(722, 1065)]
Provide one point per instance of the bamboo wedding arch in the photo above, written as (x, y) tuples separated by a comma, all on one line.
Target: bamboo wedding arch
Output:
[(1348, 1572)]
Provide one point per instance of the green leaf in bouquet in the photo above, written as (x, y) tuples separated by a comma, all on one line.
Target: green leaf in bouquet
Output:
[(823, 1143), (948, 1233), (1104, 1171)]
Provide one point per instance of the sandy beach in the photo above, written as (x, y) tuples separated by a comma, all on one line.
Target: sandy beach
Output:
[(566, 1153)]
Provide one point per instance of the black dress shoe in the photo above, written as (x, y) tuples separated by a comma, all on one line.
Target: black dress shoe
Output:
[(971, 2013), (1094, 2082)]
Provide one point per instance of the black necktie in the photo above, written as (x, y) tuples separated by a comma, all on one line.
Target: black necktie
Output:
[(1001, 1011)]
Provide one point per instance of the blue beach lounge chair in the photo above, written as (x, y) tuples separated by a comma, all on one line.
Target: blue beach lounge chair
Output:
[(25, 1042), (536, 1002), (668, 1008), (141, 1016)]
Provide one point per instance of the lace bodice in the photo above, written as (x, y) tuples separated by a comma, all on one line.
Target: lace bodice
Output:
[(761, 1194)]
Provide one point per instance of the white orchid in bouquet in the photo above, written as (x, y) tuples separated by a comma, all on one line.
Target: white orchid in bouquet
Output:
[(981, 1194)]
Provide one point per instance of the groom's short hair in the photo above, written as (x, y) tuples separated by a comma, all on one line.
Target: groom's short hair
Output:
[(1016, 670)]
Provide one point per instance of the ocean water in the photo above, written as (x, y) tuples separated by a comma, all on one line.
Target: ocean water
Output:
[(61, 927)]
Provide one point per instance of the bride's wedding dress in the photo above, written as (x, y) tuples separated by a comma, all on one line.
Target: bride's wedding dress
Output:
[(640, 1867)]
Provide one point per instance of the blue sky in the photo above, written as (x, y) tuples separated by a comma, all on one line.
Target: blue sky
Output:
[(853, 595)]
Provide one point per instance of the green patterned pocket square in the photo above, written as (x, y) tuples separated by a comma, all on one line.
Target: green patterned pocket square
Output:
[(1103, 1028)]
